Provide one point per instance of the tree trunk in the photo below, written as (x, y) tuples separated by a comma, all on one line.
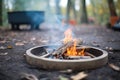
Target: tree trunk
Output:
[(68, 11), (71, 6), (112, 8), (1, 10), (84, 17), (93, 7), (58, 9)]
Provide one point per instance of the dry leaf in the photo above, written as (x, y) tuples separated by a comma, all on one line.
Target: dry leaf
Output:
[(33, 38), (79, 76), (19, 43), (109, 48), (114, 67), (3, 41), (25, 76), (44, 41), (3, 54), (2, 47), (9, 47)]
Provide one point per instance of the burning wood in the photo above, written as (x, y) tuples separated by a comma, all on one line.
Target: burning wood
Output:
[(63, 48), (86, 56), (63, 56), (89, 54), (69, 49), (61, 52)]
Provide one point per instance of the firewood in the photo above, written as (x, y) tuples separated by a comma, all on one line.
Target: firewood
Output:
[(63, 48), (89, 54)]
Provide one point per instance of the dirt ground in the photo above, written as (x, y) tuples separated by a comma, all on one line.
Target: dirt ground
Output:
[(13, 46)]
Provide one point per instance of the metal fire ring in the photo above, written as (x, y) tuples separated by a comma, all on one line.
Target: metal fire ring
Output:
[(57, 64)]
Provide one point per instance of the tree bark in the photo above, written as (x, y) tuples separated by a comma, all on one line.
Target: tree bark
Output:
[(70, 6), (73, 7), (93, 5), (1, 10), (68, 11), (112, 8), (84, 17)]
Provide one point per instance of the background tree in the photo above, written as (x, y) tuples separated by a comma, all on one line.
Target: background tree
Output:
[(112, 8), (83, 11), (68, 11), (98, 11), (92, 7), (1, 10), (3, 13), (70, 7), (117, 6)]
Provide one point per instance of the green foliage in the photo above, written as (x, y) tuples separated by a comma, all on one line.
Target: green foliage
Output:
[(3, 13), (98, 9), (117, 5)]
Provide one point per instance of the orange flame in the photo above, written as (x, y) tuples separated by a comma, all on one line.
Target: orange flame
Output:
[(72, 51), (68, 35)]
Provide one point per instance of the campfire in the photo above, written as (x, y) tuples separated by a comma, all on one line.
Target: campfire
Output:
[(69, 55), (70, 49)]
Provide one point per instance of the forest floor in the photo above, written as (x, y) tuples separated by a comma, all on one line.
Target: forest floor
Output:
[(13, 46)]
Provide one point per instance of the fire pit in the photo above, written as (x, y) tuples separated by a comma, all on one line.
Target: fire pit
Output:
[(45, 57), (69, 55)]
